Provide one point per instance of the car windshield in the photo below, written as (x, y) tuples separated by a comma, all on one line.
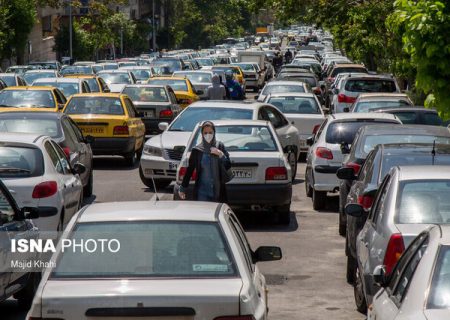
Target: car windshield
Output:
[(141, 74), (296, 105), (423, 201), (282, 88), (93, 84), (94, 105), (20, 162), (77, 70), (242, 138), (369, 142), (9, 80), (197, 77), (298, 77), (440, 285), (27, 99), (247, 67), (370, 85), (33, 76), (146, 94), (205, 62), (428, 118), (191, 116), (180, 249), (225, 69), (344, 131), (26, 124), (67, 88), (176, 85), (379, 105), (116, 78)]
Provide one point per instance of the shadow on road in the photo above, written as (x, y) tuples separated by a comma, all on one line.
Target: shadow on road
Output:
[(265, 222), (113, 163)]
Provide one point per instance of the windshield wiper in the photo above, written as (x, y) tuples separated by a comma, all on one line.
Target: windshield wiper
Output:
[(16, 170), (179, 130)]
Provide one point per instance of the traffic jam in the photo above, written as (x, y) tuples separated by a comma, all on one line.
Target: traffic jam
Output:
[(215, 134)]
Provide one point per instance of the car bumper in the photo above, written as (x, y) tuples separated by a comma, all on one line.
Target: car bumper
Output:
[(325, 178), (113, 146), (158, 167)]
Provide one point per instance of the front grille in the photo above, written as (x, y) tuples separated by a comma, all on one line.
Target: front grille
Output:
[(173, 154)]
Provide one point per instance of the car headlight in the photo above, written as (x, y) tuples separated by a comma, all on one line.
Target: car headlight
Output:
[(153, 151)]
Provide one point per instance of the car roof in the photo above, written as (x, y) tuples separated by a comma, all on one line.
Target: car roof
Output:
[(406, 109), (379, 95), (293, 94), (348, 65), (405, 129), (17, 137), (285, 83), (98, 94), (238, 122), (113, 71), (145, 85), (24, 88), (59, 79), (245, 104), (423, 172), (361, 115), (411, 148), (151, 210), (369, 77)]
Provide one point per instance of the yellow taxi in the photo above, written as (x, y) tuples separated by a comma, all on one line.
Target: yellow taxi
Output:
[(112, 120), (32, 98), (237, 71), (96, 84), (184, 91)]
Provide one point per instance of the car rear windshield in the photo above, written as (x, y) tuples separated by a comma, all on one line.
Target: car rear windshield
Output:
[(225, 69), (296, 105), (428, 118), (77, 70), (191, 116), (242, 138), (176, 85), (46, 127), (20, 162), (172, 64), (379, 105), (282, 88), (67, 89), (205, 62), (94, 105), (9, 80), (26, 99), (439, 290), (146, 94), (247, 67), (116, 78), (309, 80), (180, 249), (33, 76), (197, 77), (370, 85), (344, 131), (423, 201), (336, 71), (141, 74)]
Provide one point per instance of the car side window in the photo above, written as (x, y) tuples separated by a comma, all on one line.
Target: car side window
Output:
[(76, 130), (70, 136), (60, 97), (132, 108), (53, 156), (6, 210), (242, 240), (103, 84), (365, 172), (262, 115), (274, 118), (379, 199), (319, 132), (63, 162)]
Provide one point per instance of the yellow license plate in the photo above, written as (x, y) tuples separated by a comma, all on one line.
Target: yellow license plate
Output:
[(87, 130)]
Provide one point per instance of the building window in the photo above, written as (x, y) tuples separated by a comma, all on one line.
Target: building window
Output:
[(46, 24)]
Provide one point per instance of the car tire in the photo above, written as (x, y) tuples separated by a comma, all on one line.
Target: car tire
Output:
[(351, 270), (139, 152), (308, 188), (130, 159), (360, 299), (292, 159), (284, 214), (89, 188), (25, 296), (319, 198)]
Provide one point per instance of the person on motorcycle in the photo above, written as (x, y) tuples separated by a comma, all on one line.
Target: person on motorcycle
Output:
[(288, 56), (234, 88)]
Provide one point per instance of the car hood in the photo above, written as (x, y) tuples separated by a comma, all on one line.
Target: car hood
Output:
[(170, 139)]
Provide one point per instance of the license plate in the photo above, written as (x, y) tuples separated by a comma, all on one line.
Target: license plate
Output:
[(242, 173), (149, 114), (87, 130), (173, 166)]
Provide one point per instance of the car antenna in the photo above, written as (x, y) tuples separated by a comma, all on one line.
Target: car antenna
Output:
[(433, 152), (156, 191)]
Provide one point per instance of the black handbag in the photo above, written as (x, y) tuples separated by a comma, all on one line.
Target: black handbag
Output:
[(227, 174)]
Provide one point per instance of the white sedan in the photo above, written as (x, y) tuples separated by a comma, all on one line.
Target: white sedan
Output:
[(178, 260), (258, 162), (35, 170)]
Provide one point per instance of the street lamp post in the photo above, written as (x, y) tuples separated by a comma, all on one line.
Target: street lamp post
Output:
[(70, 31), (153, 27)]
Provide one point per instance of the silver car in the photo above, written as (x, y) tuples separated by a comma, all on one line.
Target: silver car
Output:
[(200, 80), (408, 201), (419, 285)]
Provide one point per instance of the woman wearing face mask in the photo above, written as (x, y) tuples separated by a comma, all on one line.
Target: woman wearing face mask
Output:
[(210, 160)]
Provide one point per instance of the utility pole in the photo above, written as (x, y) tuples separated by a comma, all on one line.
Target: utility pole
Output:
[(121, 41), (70, 31), (153, 26)]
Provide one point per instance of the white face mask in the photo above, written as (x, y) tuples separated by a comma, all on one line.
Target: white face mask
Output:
[(208, 137)]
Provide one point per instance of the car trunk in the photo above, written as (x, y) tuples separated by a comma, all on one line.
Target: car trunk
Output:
[(410, 231), (305, 123), (175, 299), (22, 190), (151, 110), (98, 125)]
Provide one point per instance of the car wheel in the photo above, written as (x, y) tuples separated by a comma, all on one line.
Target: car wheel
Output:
[(139, 152), (130, 159), (284, 214), (88, 189), (309, 189), (25, 296), (360, 299), (351, 269), (292, 159), (319, 198)]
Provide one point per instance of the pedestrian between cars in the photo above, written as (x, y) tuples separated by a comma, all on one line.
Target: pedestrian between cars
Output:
[(216, 91), (235, 89), (211, 162)]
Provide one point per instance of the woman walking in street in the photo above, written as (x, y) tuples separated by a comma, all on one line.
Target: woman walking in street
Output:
[(211, 162)]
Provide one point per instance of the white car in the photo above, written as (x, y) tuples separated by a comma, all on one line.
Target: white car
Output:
[(117, 79), (283, 86), (419, 285), (200, 79), (176, 260), (162, 153), (36, 171), (258, 163), (325, 156), (302, 109)]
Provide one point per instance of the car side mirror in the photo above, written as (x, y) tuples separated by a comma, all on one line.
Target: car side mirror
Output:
[(310, 141), (267, 254), (163, 126), (354, 210), (379, 276), (346, 174), (35, 213), (345, 149), (79, 168), (89, 139), (346, 109)]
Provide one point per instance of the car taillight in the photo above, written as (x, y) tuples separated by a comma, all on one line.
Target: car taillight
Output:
[(67, 152), (365, 201), (120, 130), (166, 114), (342, 98), (249, 317), (355, 166), (316, 128), (182, 173), (394, 250), (324, 153), (276, 173), (45, 190)]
